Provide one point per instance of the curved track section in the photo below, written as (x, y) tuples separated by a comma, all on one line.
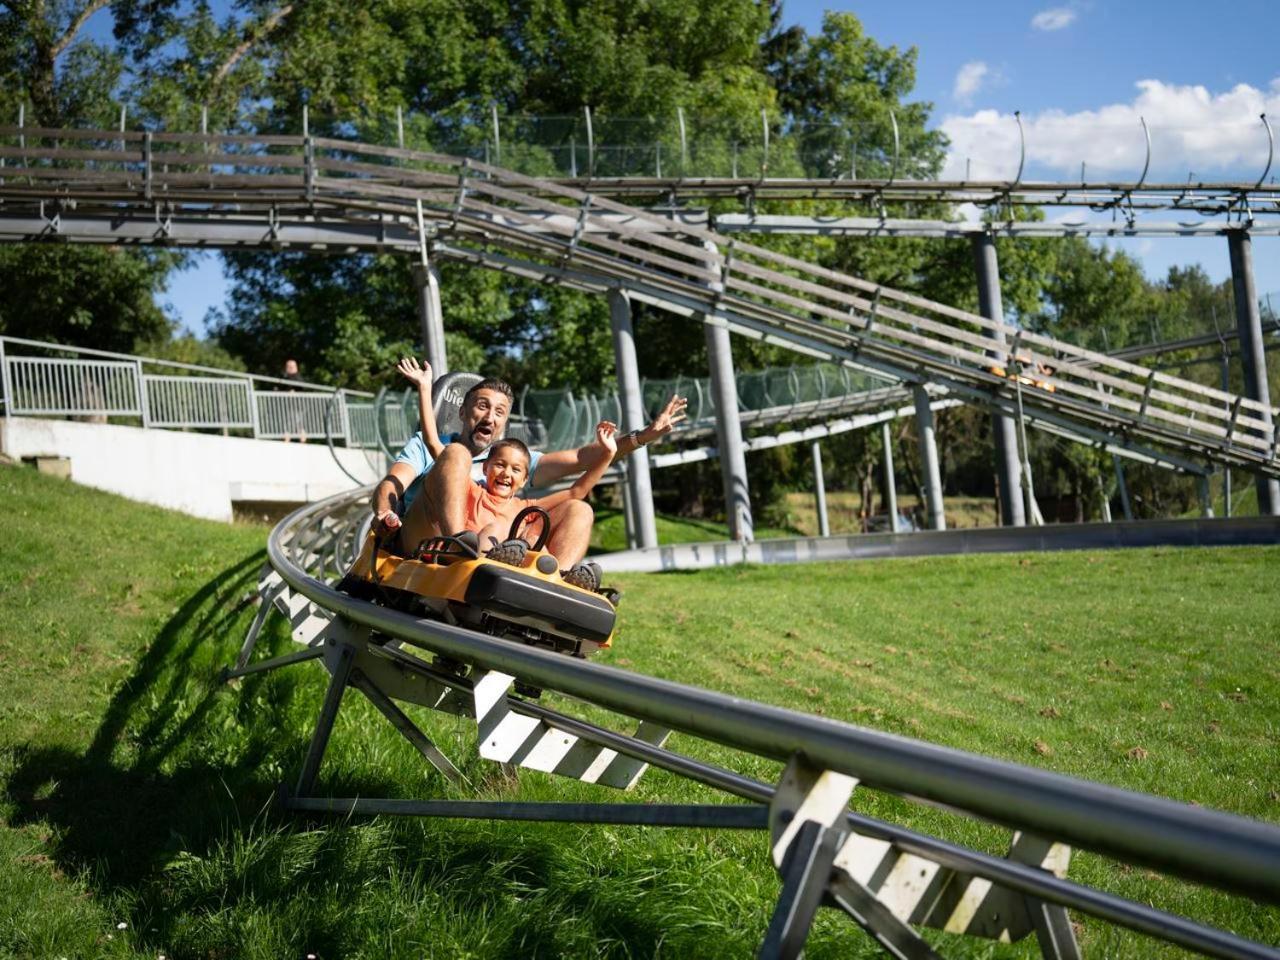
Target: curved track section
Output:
[(821, 846), (320, 187)]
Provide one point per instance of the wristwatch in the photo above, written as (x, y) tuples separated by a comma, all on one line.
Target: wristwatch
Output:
[(635, 437)]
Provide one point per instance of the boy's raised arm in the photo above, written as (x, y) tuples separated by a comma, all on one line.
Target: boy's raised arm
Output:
[(606, 437), (421, 376)]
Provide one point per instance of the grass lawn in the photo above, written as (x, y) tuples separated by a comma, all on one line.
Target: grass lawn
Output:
[(135, 790)]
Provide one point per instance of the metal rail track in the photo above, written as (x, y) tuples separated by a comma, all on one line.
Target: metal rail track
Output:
[(821, 846), (542, 227)]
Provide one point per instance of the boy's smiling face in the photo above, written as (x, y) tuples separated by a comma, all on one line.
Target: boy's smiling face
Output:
[(505, 472)]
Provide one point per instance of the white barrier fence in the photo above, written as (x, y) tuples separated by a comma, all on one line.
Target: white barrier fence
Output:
[(99, 384)]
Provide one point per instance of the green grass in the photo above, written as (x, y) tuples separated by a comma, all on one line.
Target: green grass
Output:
[(135, 789), (610, 530)]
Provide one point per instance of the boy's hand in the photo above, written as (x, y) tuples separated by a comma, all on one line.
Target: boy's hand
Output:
[(420, 376), (607, 436)]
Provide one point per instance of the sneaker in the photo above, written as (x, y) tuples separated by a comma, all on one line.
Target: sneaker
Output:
[(585, 575), (509, 551)]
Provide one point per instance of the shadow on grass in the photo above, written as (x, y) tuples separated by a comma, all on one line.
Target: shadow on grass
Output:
[(182, 766)]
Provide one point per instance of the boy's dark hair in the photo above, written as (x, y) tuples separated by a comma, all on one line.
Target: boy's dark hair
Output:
[(491, 383), (514, 444)]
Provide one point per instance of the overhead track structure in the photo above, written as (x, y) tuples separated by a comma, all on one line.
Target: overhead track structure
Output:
[(118, 178), (888, 878)]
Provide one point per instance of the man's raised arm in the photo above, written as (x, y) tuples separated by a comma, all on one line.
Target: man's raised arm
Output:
[(387, 493), (553, 467)]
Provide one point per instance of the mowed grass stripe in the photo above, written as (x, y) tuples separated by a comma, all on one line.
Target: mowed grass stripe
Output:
[(136, 790)]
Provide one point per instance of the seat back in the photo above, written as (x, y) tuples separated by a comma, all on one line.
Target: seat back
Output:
[(446, 396)]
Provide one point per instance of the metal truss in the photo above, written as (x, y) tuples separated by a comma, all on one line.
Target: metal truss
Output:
[(678, 265)]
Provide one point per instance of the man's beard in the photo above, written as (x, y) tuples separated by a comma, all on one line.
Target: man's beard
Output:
[(478, 446)]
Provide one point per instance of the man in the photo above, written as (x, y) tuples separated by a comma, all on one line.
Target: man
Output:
[(432, 493)]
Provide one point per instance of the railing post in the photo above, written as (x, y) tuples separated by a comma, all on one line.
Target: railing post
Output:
[(255, 426), (309, 172), (143, 405), (146, 164), (638, 482), (4, 382)]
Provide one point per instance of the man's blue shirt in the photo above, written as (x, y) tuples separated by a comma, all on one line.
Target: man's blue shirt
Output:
[(416, 455)]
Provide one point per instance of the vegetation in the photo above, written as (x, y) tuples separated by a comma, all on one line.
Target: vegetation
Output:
[(135, 790)]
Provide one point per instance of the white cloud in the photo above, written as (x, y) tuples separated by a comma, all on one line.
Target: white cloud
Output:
[(1055, 18), (1214, 135), (969, 80)]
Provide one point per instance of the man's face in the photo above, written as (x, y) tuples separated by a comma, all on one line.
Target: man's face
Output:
[(484, 419)]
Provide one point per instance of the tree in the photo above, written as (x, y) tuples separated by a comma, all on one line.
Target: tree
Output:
[(87, 296)]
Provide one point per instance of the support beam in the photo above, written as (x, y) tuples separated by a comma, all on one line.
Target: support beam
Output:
[(639, 485), (890, 481), (990, 305), (820, 491), (1123, 488), (929, 469), (426, 279), (724, 395), (1252, 357)]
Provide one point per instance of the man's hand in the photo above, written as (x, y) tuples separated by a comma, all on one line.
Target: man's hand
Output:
[(419, 376), (386, 524), (663, 423)]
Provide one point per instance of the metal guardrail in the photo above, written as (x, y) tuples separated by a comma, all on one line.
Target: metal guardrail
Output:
[(103, 384), (819, 844), (546, 419)]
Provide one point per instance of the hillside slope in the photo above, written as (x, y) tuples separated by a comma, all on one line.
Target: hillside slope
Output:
[(135, 790)]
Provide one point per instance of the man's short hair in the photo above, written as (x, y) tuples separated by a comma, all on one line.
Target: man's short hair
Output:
[(491, 383), (514, 444)]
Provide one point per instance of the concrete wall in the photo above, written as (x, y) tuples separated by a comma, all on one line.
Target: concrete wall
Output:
[(197, 473)]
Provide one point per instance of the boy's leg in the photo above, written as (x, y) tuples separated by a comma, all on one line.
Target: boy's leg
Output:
[(570, 532), (440, 508)]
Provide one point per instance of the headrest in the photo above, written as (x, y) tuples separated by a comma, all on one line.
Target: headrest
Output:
[(446, 396)]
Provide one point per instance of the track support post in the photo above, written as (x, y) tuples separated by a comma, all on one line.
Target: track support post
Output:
[(340, 676), (1012, 509), (638, 485), (887, 891)]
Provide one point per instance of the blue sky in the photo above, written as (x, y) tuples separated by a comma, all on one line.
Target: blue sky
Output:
[(1081, 73)]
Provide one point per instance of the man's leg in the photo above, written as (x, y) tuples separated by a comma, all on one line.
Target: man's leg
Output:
[(440, 508), (570, 532)]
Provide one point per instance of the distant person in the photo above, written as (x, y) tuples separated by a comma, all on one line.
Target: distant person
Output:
[(425, 495), (295, 418)]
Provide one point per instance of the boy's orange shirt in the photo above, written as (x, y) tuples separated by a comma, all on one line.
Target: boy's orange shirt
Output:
[(484, 508)]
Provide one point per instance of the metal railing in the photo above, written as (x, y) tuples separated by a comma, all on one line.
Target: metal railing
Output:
[(807, 812), (97, 384), (765, 397)]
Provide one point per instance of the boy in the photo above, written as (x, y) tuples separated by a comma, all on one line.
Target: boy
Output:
[(492, 505)]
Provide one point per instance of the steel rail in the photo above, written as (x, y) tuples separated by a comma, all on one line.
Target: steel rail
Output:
[(1018, 876), (1225, 850)]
